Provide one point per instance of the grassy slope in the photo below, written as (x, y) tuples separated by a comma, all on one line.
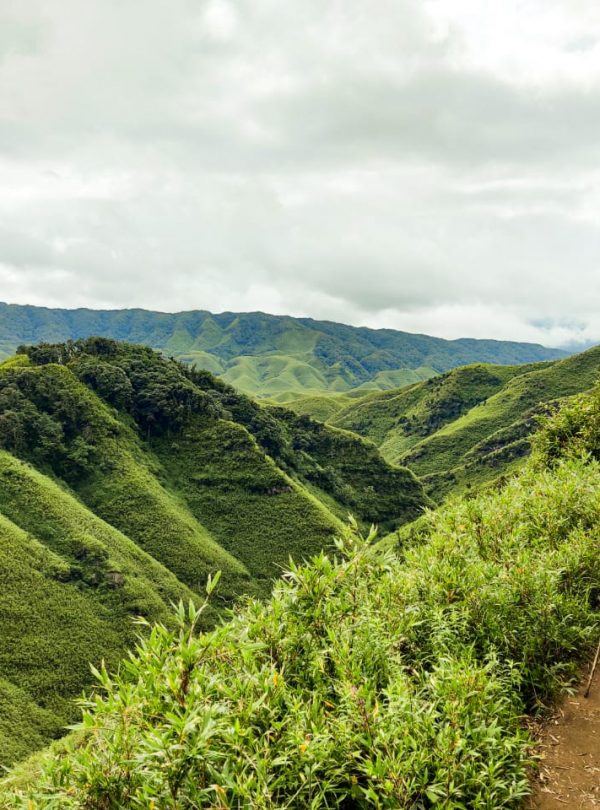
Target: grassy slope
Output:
[(70, 586), (280, 376), (475, 447), (367, 679), (124, 486), (400, 419), (267, 354), (320, 406), (129, 494), (272, 375), (351, 470), (131, 482), (102, 520), (256, 512), (469, 425)]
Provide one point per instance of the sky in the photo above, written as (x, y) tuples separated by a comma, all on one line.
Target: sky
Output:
[(425, 165)]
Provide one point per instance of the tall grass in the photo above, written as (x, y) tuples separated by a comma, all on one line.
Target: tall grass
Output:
[(368, 679)]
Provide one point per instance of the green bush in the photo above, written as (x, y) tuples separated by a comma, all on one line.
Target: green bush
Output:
[(368, 679), (574, 429)]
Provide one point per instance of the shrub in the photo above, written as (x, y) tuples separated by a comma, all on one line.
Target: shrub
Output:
[(573, 430), (367, 680)]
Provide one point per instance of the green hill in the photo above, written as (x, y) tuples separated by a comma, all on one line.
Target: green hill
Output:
[(469, 425), (71, 584), (369, 678), (320, 406), (269, 355), (125, 480)]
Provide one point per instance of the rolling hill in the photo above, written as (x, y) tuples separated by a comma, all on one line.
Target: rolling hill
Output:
[(269, 355), (464, 427), (125, 480)]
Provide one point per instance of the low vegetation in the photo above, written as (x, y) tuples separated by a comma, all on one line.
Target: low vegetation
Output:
[(374, 676), (71, 585), (125, 480)]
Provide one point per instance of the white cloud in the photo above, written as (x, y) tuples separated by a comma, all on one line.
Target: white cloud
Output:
[(220, 19), (418, 165)]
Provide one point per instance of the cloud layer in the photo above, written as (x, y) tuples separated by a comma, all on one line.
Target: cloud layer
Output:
[(427, 165)]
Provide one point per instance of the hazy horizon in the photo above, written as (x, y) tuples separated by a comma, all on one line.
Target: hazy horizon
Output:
[(574, 347)]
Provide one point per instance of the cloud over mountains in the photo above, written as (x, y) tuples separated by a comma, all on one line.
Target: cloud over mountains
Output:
[(427, 166)]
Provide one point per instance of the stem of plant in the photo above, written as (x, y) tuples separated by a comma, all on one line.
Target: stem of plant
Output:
[(589, 683)]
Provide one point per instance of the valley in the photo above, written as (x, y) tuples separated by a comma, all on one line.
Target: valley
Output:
[(463, 428), (127, 480), (390, 677)]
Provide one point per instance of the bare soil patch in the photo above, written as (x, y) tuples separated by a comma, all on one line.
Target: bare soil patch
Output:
[(570, 743)]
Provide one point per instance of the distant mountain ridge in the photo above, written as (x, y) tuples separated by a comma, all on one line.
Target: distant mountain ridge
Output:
[(269, 355)]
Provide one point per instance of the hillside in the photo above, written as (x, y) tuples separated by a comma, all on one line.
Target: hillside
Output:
[(464, 427), (269, 355), (369, 678), (125, 480)]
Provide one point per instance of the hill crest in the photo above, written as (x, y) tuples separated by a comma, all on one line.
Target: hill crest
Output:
[(268, 355)]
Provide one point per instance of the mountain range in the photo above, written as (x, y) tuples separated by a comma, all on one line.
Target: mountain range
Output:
[(269, 355)]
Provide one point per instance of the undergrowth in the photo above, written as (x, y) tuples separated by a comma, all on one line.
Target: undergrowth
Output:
[(374, 676), (369, 679)]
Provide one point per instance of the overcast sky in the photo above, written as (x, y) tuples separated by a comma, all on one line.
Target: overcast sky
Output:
[(425, 165)]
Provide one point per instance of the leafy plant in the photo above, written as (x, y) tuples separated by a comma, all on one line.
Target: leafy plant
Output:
[(368, 679), (137, 476)]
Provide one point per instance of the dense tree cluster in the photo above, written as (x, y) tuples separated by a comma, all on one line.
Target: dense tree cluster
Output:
[(44, 420), (157, 392), (162, 396)]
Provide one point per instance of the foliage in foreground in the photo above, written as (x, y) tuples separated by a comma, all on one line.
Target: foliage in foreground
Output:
[(574, 430), (367, 680)]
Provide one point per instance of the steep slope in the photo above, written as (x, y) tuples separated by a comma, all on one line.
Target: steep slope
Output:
[(402, 418), (125, 480), (469, 425), (369, 678), (267, 354), (255, 510), (71, 585), (53, 419), (493, 435)]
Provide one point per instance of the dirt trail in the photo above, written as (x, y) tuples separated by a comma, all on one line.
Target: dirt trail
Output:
[(570, 771)]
